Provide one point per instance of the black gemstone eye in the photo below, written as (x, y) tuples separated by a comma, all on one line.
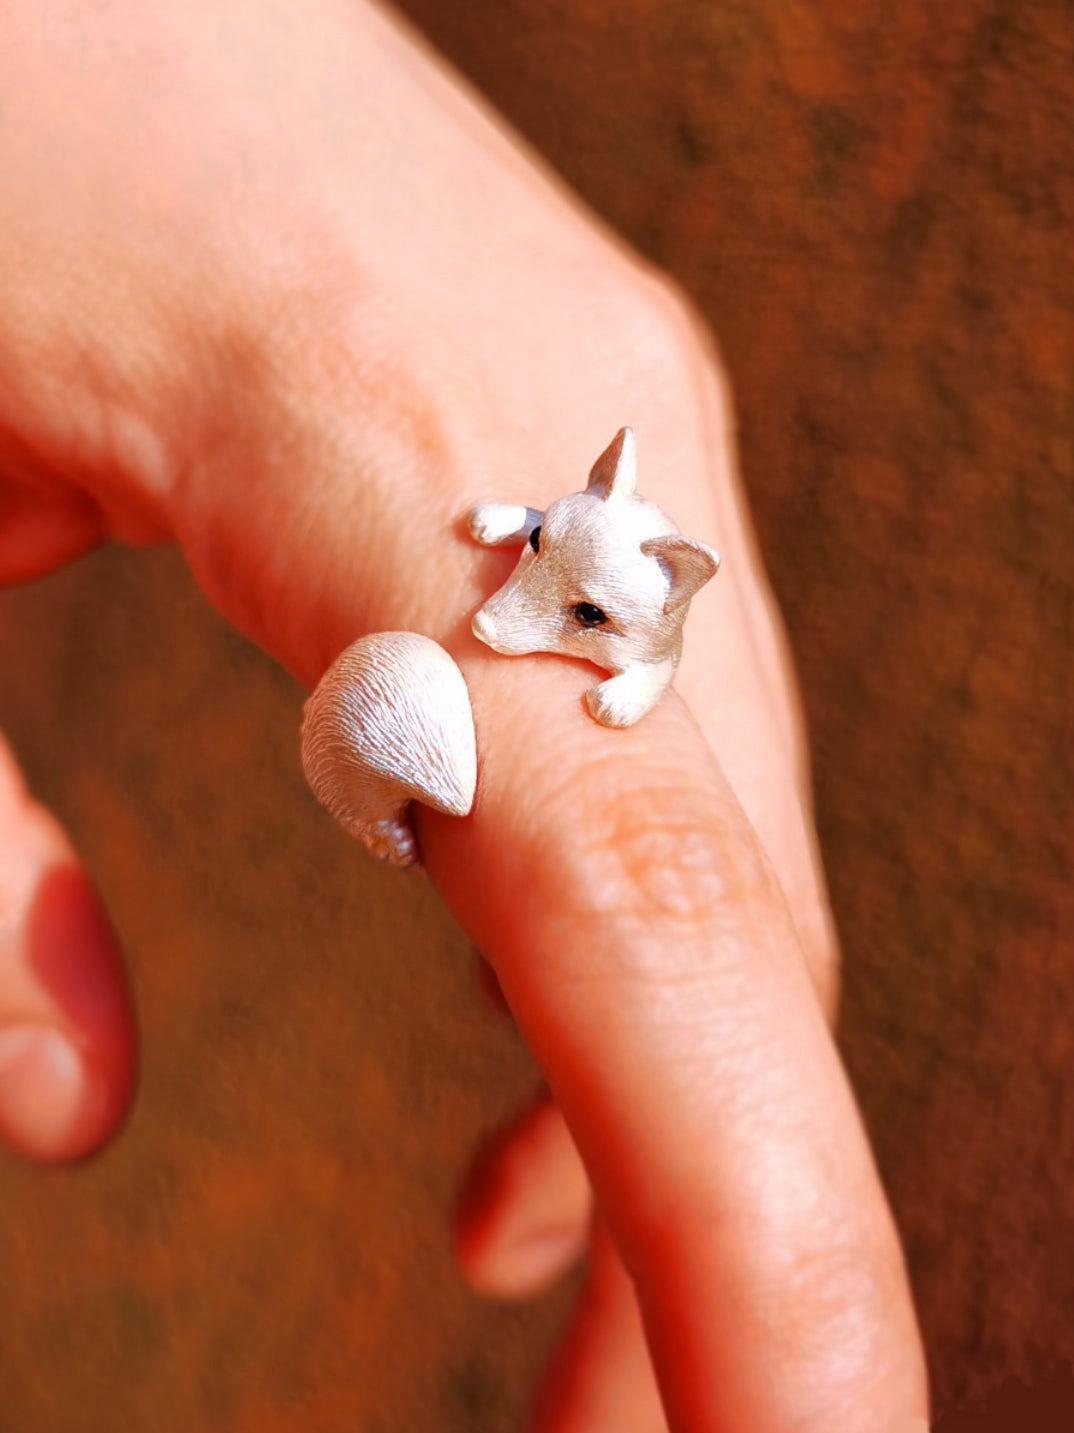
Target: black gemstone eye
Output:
[(535, 538), (590, 616)]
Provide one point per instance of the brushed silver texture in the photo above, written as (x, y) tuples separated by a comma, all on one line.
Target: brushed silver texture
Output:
[(607, 577), (390, 722)]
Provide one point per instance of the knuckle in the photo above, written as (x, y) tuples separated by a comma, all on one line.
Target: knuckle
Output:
[(653, 324), (832, 1310), (664, 328), (673, 365), (668, 851)]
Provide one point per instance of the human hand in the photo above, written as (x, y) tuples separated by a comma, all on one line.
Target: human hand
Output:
[(271, 286)]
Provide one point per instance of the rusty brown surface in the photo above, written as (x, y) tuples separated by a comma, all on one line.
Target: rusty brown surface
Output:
[(873, 205), (265, 1247)]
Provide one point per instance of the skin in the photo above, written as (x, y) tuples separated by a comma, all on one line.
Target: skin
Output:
[(275, 288)]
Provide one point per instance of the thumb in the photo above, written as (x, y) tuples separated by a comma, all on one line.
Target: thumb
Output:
[(67, 1042)]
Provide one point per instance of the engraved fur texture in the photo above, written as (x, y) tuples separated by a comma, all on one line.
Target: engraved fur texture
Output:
[(605, 553), (390, 722), (603, 575)]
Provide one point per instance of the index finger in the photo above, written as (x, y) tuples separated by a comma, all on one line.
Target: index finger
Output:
[(649, 958)]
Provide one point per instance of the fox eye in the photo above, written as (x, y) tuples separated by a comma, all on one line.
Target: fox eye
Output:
[(535, 538), (589, 615)]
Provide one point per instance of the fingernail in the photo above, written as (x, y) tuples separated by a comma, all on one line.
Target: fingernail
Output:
[(534, 1261), (48, 1098)]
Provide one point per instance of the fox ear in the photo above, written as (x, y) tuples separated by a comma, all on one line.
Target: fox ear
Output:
[(688, 563), (615, 471)]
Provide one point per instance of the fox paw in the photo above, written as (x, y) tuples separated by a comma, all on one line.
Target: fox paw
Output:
[(625, 698), (494, 524), (613, 707), (391, 841)]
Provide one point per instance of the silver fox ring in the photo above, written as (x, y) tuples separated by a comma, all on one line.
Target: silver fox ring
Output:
[(602, 574)]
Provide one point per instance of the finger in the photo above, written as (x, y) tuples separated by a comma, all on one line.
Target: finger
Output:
[(744, 694), (489, 987), (66, 1028), (40, 531), (767, 771), (648, 957), (600, 1378), (524, 1212), (640, 939), (651, 964)]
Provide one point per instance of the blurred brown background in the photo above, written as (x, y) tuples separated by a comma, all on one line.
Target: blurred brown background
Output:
[(873, 205)]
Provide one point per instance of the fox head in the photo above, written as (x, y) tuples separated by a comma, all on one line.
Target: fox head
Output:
[(606, 576)]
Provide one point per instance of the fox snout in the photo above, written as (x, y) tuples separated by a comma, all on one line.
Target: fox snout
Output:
[(517, 619), (486, 629)]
